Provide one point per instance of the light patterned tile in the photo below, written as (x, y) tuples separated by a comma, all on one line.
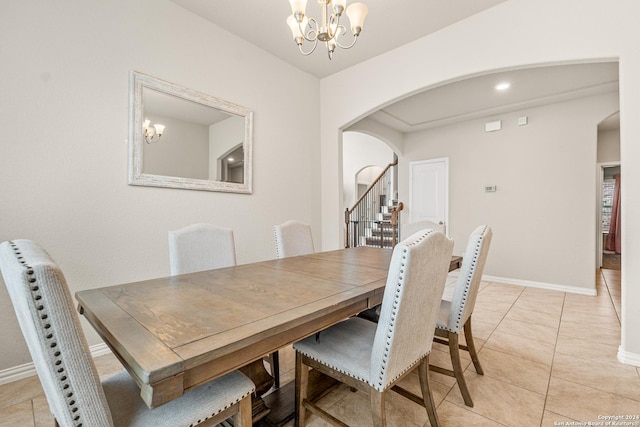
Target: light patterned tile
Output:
[(443, 360), (524, 347), (19, 414), (454, 415), (41, 413), (515, 370), (19, 391), (481, 314), (355, 410), (499, 307), (590, 334), (591, 319), (530, 330), (532, 316), (574, 346), (481, 331), (501, 402), (585, 404), (602, 374), (439, 390), (548, 306), (551, 419)]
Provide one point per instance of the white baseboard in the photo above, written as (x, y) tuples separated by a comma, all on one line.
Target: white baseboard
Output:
[(532, 284), (28, 369), (541, 285), (628, 358)]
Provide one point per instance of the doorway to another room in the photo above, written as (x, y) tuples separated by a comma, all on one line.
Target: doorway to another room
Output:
[(609, 181), (611, 241)]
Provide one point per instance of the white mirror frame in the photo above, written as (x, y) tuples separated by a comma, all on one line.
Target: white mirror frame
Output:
[(138, 81)]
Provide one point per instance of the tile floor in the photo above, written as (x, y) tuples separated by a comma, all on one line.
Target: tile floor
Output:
[(549, 359)]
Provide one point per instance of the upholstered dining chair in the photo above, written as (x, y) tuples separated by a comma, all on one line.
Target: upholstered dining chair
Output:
[(200, 247), (76, 397), (456, 308), (293, 238), (412, 227), (374, 357)]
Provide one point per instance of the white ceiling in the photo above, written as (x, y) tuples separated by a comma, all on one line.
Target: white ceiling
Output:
[(477, 97), (388, 25), (393, 23)]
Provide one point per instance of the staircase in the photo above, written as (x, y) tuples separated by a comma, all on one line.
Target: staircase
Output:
[(374, 219)]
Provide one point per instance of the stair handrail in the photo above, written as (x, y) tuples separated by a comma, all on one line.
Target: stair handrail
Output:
[(371, 186), (348, 212)]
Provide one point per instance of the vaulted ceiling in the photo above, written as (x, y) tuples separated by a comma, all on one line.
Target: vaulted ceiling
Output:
[(391, 24)]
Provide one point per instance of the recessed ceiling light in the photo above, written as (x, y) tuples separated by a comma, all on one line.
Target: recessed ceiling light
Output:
[(503, 86)]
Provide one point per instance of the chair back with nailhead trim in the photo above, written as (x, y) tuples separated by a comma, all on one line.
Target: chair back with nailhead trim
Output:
[(200, 247), (50, 325), (468, 283), (293, 238), (410, 305)]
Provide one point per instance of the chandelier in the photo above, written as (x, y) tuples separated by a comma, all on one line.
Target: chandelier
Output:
[(152, 133), (329, 29)]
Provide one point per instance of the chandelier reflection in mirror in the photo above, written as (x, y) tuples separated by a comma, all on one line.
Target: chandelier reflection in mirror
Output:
[(152, 133), (328, 30)]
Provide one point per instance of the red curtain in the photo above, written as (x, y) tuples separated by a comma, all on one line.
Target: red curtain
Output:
[(613, 242)]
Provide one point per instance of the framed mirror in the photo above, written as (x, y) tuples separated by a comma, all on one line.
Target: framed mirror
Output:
[(181, 138)]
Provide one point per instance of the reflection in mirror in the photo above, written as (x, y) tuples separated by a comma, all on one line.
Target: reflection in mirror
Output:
[(199, 141)]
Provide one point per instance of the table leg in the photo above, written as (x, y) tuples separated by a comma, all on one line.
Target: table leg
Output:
[(263, 381)]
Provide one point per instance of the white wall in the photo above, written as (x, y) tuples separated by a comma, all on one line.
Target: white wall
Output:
[(359, 151), (609, 146), (63, 152), (514, 34), (542, 212), (177, 155)]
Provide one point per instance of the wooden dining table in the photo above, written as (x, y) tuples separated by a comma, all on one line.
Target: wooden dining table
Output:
[(174, 333)]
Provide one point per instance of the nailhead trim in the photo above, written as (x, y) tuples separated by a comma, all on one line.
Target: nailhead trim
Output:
[(222, 409), (385, 356), (394, 313), (467, 286), (275, 238), (64, 383)]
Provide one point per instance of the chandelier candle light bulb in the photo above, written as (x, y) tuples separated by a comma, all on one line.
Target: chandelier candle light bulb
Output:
[(329, 29)]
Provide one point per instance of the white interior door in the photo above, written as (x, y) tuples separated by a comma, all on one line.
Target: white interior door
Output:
[(429, 190)]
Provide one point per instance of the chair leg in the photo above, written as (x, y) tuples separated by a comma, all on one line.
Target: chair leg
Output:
[(427, 396), (377, 408), (243, 417), (468, 336), (454, 353), (274, 363), (302, 379)]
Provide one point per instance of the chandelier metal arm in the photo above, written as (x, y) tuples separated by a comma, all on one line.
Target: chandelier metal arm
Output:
[(312, 34), (340, 31), (315, 44)]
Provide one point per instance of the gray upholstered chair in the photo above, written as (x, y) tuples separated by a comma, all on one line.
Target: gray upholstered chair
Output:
[(201, 247), (412, 227), (374, 357), (293, 238), (76, 397), (456, 309)]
